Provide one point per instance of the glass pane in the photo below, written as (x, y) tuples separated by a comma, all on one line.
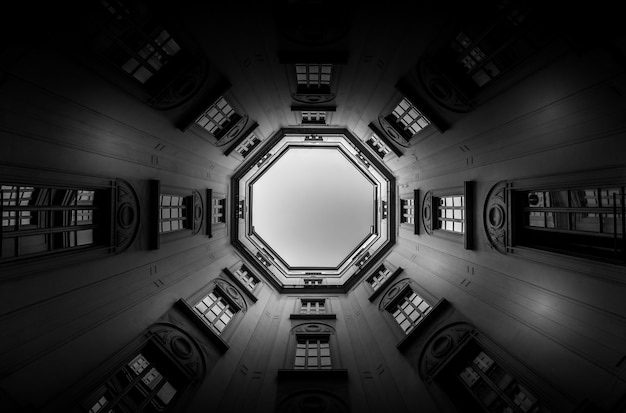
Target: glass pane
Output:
[(611, 225), (557, 220), (583, 221), (142, 74), (84, 237), (32, 244), (201, 307), (610, 197), (536, 219), (556, 199), (166, 393)]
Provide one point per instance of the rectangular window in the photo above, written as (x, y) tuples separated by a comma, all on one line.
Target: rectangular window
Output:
[(313, 282), (313, 117), (312, 353), (409, 118), (173, 213), (490, 47), (587, 221), (38, 220), (247, 278), (378, 146), (218, 207), (313, 75), (215, 310), (451, 213), (217, 117), (148, 382), (312, 306), (410, 310), (247, 145), (134, 41), (379, 277), (494, 388), (407, 211)]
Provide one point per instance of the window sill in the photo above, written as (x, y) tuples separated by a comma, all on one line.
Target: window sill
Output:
[(410, 338), (312, 374), (313, 316), (221, 345)]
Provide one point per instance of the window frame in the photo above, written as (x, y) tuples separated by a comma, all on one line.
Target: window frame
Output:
[(312, 330), (446, 379), (402, 199), (232, 273), (193, 206), (430, 208), (306, 87), (396, 292), (213, 226), (222, 128), (527, 236), (320, 340), (106, 40), (397, 121), (500, 215), (374, 293), (159, 351), (232, 295), (53, 213)]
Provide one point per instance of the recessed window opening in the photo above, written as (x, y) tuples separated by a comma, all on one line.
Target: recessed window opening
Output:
[(218, 206), (37, 219), (580, 221), (409, 118), (246, 277), (379, 277), (451, 213), (173, 213), (313, 75), (410, 310), (312, 306), (136, 42), (312, 353), (407, 207), (217, 116), (216, 310)]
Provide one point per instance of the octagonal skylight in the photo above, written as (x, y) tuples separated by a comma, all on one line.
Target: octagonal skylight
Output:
[(313, 207), (312, 204)]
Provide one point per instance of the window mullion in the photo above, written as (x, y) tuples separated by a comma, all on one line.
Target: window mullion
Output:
[(150, 396), (48, 230), (127, 388), (134, 54), (496, 389)]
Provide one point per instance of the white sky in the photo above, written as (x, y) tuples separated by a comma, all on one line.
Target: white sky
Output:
[(312, 207)]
